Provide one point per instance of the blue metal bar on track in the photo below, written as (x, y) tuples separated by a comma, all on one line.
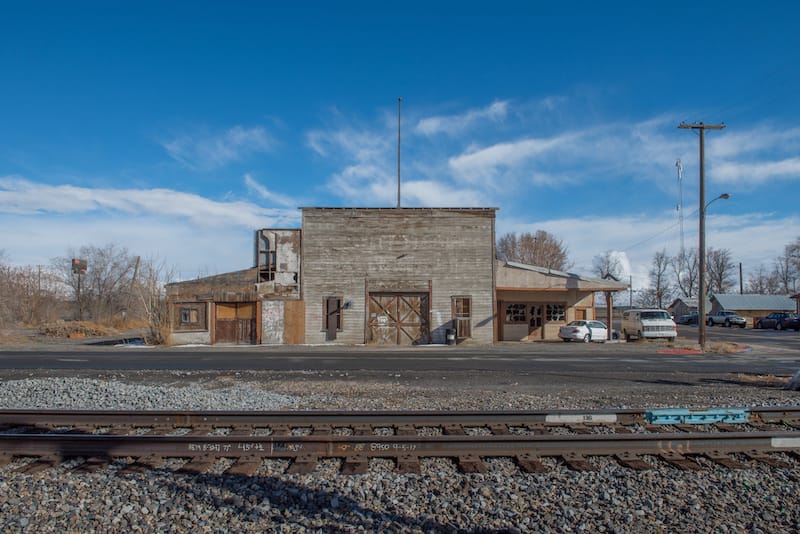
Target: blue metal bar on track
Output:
[(682, 416)]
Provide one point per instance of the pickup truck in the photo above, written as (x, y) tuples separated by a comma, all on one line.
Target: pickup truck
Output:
[(727, 318)]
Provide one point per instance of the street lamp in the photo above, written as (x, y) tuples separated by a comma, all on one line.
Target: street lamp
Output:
[(701, 291)]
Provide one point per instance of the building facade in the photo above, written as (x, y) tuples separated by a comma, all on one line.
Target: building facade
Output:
[(380, 276), (389, 276)]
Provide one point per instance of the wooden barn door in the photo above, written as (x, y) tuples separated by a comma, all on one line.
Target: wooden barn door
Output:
[(236, 322), (398, 319)]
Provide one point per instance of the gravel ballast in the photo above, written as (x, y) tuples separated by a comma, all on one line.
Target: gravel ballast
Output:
[(610, 498)]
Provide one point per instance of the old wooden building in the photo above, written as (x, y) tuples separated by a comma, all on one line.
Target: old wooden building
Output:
[(398, 276), (253, 306), (380, 276)]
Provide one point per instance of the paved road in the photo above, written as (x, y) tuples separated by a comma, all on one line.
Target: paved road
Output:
[(528, 358)]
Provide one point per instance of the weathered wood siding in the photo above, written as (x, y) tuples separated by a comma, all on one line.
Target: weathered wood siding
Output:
[(349, 251)]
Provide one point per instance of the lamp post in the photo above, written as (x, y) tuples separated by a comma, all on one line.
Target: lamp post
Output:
[(701, 290)]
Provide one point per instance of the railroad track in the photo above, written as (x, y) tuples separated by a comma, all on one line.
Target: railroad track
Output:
[(142, 440)]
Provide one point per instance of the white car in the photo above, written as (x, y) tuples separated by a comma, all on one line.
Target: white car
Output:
[(585, 331)]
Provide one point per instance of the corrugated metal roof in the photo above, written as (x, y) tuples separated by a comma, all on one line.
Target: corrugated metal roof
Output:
[(755, 302), (562, 274)]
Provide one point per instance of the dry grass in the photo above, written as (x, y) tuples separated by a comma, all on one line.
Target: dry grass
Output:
[(762, 380), (77, 329)]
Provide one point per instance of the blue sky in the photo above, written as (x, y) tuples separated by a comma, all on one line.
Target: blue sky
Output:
[(175, 129)]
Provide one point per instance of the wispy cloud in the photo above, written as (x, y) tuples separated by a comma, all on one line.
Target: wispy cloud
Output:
[(457, 124), (210, 151), (266, 194), (23, 197)]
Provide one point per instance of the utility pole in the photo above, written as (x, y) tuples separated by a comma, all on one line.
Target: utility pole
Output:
[(399, 106), (701, 296)]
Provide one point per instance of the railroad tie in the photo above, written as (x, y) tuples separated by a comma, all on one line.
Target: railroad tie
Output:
[(197, 465), (41, 464), (244, 431), (680, 461), (303, 465), (499, 430), (280, 430), (406, 430), (764, 458), (530, 463), (409, 464), (142, 465), (93, 464), (632, 461), (725, 460), (454, 430), (245, 466), (362, 430), (355, 465), (470, 463), (577, 462)]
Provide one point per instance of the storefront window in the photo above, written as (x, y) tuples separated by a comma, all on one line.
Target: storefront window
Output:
[(555, 312), (515, 313)]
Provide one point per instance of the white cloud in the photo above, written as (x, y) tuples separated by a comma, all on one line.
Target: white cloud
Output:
[(488, 164), (435, 194), (636, 238), (266, 194), (23, 197), (457, 124), (753, 174), (189, 232), (209, 151)]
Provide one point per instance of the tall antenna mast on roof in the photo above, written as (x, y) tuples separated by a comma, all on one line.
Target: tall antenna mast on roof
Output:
[(399, 105)]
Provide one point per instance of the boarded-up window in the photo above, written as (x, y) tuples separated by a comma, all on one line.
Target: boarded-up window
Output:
[(190, 316)]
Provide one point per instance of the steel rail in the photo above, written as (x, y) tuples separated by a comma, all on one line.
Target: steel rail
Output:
[(347, 418), (187, 446)]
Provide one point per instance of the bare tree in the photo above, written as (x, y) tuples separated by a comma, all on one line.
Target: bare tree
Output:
[(685, 267), (762, 282), (607, 265), (720, 270), (786, 269), (541, 249), (659, 278), (103, 292), (30, 295), (148, 288)]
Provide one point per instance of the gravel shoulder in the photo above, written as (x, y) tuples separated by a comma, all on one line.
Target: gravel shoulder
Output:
[(609, 499)]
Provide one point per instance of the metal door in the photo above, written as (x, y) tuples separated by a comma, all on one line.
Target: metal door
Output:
[(398, 319), (236, 322)]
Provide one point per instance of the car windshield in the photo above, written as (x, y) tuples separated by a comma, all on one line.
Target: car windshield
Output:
[(577, 323), (655, 315)]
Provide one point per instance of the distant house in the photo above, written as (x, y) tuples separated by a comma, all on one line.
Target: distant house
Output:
[(797, 302), (684, 306), (752, 306)]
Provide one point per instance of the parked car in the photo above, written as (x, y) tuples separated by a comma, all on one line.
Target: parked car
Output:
[(585, 331), (727, 318), (648, 324), (791, 323), (689, 318), (774, 320)]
